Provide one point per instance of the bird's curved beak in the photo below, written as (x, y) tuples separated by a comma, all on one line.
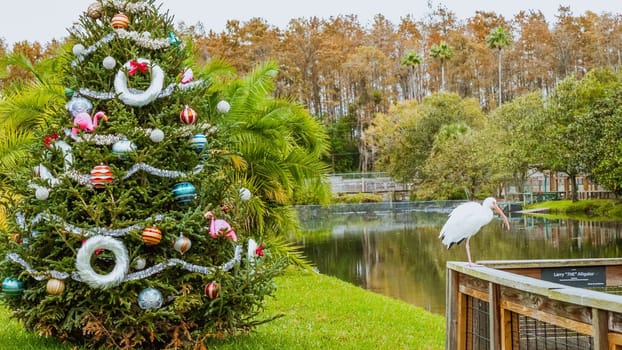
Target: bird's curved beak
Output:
[(505, 219)]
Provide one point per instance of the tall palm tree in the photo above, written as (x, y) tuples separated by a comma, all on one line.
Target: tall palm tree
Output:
[(443, 52), (498, 39), (411, 60)]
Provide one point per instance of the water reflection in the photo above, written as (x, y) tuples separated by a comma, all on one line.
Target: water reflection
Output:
[(400, 255)]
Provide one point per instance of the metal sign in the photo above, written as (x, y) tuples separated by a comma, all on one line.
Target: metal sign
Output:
[(585, 276)]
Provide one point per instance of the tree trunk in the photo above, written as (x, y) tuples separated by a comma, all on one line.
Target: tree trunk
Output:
[(499, 75), (573, 187)]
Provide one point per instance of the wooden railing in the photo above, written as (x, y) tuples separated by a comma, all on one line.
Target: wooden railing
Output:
[(524, 305)]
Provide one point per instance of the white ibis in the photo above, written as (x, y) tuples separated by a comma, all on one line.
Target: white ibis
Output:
[(466, 220)]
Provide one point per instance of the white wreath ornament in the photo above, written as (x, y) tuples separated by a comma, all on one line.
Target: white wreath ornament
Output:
[(135, 97), (85, 270)]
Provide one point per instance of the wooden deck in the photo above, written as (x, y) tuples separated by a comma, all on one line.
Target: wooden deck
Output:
[(539, 304)]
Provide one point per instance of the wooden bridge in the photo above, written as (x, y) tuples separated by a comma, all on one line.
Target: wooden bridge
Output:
[(378, 183)]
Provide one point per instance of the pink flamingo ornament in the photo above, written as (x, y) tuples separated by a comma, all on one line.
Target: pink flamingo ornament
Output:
[(219, 227), (84, 122)]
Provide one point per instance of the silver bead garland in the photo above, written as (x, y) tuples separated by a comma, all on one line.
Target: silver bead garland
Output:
[(21, 222)]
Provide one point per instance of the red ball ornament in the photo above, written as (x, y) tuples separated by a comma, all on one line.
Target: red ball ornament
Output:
[(101, 175), (152, 235), (212, 289), (188, 115), (120, 21)]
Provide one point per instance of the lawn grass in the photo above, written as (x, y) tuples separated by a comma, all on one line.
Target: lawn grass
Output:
[(320, 312)]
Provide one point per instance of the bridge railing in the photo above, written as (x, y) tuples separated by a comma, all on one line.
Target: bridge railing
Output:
[(538, 304)]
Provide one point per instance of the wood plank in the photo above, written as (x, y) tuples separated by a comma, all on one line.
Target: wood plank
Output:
[(506, 329), (475, 293), (542, 303), (579, 327), (461, 330), (529, 272), (494, 319), (451, 310), (516, 264), (614, 275), (615, 322), (615, 341), (600, 329)]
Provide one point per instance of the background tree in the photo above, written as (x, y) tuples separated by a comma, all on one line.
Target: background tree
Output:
[(443, 52), (412, 60), (498, 39)]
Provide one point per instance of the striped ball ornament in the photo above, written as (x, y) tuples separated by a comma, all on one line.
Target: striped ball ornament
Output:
[(188, 115), (120, 21), (12, 287), (184, 192), (199, 141), (152, 236), (101, 175), (212, 289)]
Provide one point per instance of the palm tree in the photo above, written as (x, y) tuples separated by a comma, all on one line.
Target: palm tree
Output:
[(410, 60), (498, 39), (279, 143), (443, 52)]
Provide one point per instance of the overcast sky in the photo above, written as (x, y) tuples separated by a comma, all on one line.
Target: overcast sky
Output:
[(43, 20)]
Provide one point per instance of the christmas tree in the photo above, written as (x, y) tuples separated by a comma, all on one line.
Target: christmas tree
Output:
[(139, 224)]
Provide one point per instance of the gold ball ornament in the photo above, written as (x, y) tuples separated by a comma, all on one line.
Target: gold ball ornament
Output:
[(152, 236), (55, 286), (120, 21), (94, 10)]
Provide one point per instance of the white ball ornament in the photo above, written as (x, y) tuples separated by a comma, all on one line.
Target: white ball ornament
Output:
[(140, 263), (109, 62), (156, 135), (42, 193), (245, 194), (78, 49), (150, 298), (223, 106)]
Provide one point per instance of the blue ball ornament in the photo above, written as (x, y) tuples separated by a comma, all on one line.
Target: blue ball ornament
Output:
[(12, 286), (184, 192), (150, 298), (199, 141)]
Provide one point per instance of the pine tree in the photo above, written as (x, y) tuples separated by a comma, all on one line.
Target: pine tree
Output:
[(136, 229)]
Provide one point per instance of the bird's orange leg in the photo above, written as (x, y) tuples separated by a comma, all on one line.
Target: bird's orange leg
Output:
[(468, 250)]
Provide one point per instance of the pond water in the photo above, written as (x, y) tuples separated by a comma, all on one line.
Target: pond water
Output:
[(397, 252)]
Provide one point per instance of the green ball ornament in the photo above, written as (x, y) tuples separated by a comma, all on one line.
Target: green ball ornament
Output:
[(12, 287)]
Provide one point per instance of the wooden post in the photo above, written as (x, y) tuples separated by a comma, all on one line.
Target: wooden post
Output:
[(494, 317), (451, 310), (600, 329)]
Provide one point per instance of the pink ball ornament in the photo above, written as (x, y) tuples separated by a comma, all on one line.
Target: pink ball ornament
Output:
[(212, 289), (188, 115)]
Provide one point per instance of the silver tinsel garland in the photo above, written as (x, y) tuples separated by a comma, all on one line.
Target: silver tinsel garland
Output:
[(21, 222), (40, 276)]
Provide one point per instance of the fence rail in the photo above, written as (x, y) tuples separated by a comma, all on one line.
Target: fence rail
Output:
[(534, 304)]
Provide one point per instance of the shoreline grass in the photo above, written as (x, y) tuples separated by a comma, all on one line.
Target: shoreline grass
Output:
[(320, 312)]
